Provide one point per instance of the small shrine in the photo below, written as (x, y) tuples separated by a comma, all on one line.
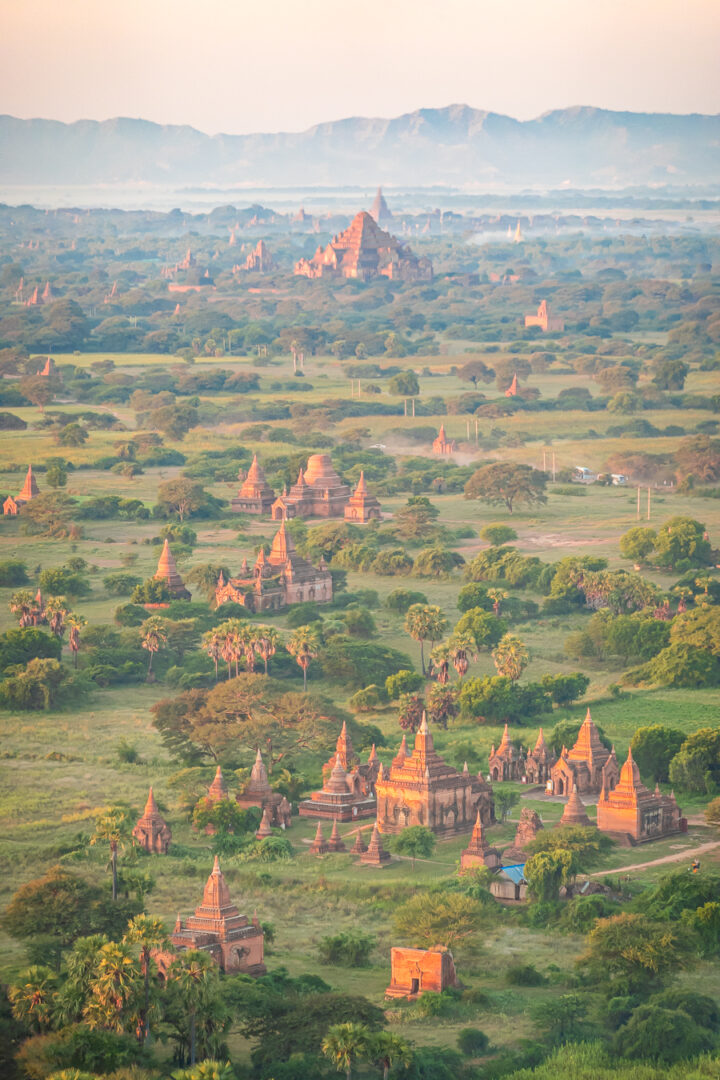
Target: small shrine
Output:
[(443, 445), (529, 826), (589, 766), (152, 833), (362, 506), (633, 814), (336, 842), (319, 845), (348, 791), (416, 971), (12, 506), (218, 789), (233, 941), (421, 789), (544, 319), (264, 829), (167, 571), (375, 855), (539, 762), (255, 495), (259, 793), (505, 763), (277, 579), (478, 852), (574, 812)]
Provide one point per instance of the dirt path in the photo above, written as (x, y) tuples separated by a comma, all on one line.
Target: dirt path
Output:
[(688, 853)]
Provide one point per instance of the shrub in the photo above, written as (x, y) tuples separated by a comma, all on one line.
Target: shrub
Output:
[(372, 697), (446, 1003), (665, 1035), (152, 591), (524, 975), (403, 682), (498, 534), (120, 584), (352, 948), (13, 572), (472, 1042)]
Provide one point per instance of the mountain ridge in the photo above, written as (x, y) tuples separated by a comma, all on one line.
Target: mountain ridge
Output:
[(454, 144)]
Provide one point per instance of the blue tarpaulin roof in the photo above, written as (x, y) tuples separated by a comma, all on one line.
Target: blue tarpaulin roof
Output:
[(515, 873)]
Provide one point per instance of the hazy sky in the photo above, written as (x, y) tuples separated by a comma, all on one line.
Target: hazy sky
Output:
[(265, 65)]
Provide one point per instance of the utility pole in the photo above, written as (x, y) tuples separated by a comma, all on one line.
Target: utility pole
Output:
[(467, 429), (544, 460), (638, 505), (477, 437), (405, 404), (553, 466), (648, 509), (413, 401)]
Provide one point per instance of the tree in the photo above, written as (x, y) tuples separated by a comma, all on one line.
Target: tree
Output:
[(634, 954), (699, 456), (207, 1070), (114, 1001), (507, 484), (637, 543), (399, 600), (416, 520), (174, 420), (510, 657), (429, 919), (462, 649), (195, 977), (424, 622), (699, 627), (682, 665), (345, 1044), (266, 643), (205, 576), (505, 800), (584, 843), (498, 534), (670, 374), (565, 689), (182, 496), (665, 1035), (37, 687), (72, 435), (48, 514), (696, 766), (410, 713), (546, 872), (113, 827), (55, 611), (442, 704), (34, 996), (712, 812), (149, 933), (212, 643), (653, 748), (403, 682), (681, 544), (304, 645), (472, 1042), (472, 370), (153, 634), (39, 390), (437, 562), (56, 475), (561, 1017), (482, 628), (75, 623), (389, 1051), (405, 384), (417, 841)]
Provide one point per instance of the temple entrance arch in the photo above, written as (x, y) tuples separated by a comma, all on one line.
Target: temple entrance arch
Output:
[(560, 786)]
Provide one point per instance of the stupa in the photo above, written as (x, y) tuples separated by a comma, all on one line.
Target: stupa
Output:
[(264, 828), (539, 761), (574, 812), (380, 212), (632, 813), (336, 843), (167, 571), (217, 927), (259, 793), (348, 791), (255, 495), (12, 506), (376, 855), (151, 831), (478, 852), (319, 845), (529, 826), (505, 763), (443, 445), (362, 506)]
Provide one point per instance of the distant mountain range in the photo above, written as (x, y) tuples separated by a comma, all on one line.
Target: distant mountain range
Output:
[(456, 145)]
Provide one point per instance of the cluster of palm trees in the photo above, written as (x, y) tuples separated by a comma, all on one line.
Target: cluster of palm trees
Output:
[(346, 1044), (235, 640), (425, 622), (56, 614)]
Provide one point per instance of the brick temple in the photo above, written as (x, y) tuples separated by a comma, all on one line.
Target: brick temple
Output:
[(505, 763), (589, 766), (255, 495), (318, 492), (233, 941), (13, 506), (348, 791), (362, 506), (167, 571), (544, 320), (365, 251), (259, 793), (152, 833), (443, 445), (633, 814), (421, 789), (260, 260), (283, 577), (479, 852), (416, 971)]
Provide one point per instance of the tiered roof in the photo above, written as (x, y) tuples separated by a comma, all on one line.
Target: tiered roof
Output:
[(588, 746)]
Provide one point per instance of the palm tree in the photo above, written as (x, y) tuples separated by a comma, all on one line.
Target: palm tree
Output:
[(195, 975), (497, 596), (21, 603), (388, 1049), (344, 1043), (266, 643), (56, 610), (440, 663), (247, 642), (33, 997), (212, 644), (76, 623), (149, 933), (113, 827), (510, 656), (80, 973), (115, 994), (231, 649), (424, 622), (154, 638), (207, 1070), (304, 645), (462, 648)]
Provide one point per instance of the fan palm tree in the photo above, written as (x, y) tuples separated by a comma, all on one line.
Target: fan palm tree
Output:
[(21, 603), (497, 596), (149, 933), (424, 622), (195, 976), (266, 643), (304, 645), (56, 610), (33, 997), (510, 656), (344, 1044), (388, 1050), (113, 827), (154, 638), (231, 649), (76, 623), (80, 972), (463, 648), (114, 1001), (212, 644)]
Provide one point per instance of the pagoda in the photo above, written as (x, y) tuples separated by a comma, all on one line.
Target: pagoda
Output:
[(12, 506), (632, 813), (421, 789), (574, 812), (278, 579), (544, 320), (539, 761), (443, 445), (362, 506), (217, 928), (319, 845), (364, 251), (255, 495), (218, 791), (478, 852), (319, 492), (380, 212), (504, 763), (259, 260), (167, 571), (264, 828), (348, 791), (151, 832), (259, 793), (589, 766), (529, 826), (375, 855), (336, 843)]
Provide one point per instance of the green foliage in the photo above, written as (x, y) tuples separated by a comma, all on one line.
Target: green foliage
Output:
[(438, 918), (696, 766), (585, 843), (524, 975), (634, 954), (495, 699), (417, 841), (399, 600), (391, 563), (269, 849), (13, 572), (653, 748), (353, 662), (25, 644), (151, 591), (372, 697), (437, 562), (677, 892), (680, 544), (472, 1042), (351, 948), (403, 682), (580, 914), (120, 584), (547, 871), (60, 581), (665, 1035), (485, 629), (565, 689), (498, 534), (637, 543), (508, 484), (561, 1018), (472, 596)]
